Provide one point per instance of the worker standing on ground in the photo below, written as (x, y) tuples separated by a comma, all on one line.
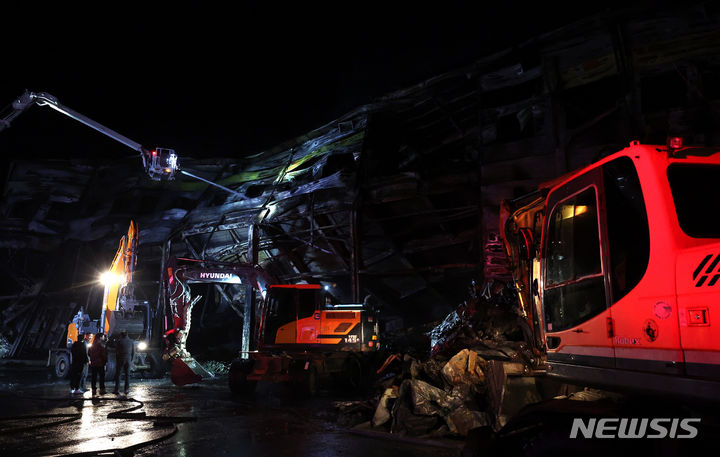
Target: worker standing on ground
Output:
[(98, 359), (82, 385), (124, 354), (78, 360)]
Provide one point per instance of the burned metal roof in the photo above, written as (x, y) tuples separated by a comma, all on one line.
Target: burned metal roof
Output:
[(398, 199)]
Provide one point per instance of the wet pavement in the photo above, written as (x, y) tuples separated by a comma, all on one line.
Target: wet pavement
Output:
[(40, 417)]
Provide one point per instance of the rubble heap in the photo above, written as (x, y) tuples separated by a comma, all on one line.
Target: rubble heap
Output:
[(216, 367), (461, 382)]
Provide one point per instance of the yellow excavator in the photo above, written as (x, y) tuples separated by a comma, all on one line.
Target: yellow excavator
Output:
[(120, 311)]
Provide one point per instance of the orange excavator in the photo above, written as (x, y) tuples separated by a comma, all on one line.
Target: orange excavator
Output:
[(304, 335), (617, 266)]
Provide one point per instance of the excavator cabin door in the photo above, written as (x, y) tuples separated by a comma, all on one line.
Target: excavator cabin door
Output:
[(575, 286)]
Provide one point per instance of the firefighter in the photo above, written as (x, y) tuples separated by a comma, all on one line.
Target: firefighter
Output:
[(98, 359), (124, 354), (78, 361)]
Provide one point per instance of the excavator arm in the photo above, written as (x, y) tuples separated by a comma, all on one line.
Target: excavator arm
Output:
[(119, 278), (177, 277)]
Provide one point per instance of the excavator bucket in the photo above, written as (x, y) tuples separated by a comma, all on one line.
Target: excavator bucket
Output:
[(188, 371)]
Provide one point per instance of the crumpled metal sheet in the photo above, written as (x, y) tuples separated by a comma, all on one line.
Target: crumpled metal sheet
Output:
[(449, 324), (382, 412), (490, 316), (419, 400), (462, 420), (416, 411), (427, 399)]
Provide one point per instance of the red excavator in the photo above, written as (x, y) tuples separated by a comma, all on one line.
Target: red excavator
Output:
[(617, 266), (178, 275)]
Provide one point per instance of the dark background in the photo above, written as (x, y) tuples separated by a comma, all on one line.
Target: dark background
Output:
[(230, 83)]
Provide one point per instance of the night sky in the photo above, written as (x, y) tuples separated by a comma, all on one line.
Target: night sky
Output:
[(216, 83)]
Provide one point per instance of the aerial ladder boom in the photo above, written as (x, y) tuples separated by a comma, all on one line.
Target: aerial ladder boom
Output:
[(27, 99), (159, 163)]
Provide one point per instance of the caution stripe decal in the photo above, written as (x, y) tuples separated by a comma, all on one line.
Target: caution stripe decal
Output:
[(702, 264), (707, 272)]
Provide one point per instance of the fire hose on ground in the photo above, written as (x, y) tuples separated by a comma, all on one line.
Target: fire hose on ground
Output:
[(127, 413)]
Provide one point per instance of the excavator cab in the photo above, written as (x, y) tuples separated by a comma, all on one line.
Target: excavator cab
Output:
[(305, 335), (285, 307), (629, 277), (306, 314)]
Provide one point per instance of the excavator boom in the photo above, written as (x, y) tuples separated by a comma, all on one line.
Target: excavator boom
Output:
[(179, 274), (118, 278)]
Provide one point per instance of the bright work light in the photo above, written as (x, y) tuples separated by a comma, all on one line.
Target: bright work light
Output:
[(109, 278)]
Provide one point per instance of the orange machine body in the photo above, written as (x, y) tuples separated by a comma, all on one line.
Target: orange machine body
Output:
[(302, 314), (303, 334)]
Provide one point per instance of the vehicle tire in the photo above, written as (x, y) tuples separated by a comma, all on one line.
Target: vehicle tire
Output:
[(237, 378), (311, 381), (158, 366), (61, 369), (352, 375)]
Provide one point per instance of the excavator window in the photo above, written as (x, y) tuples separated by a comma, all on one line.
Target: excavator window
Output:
[(286, 305), (573, 241), (307, 302), (695, 190), (574, 283), (281, 310), (627, 226)]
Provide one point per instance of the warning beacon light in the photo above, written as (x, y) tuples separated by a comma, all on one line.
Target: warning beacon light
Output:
[(675, 142), (161, 164)]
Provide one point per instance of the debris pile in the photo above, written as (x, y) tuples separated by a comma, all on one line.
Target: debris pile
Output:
[(217, 368), (462, 381), (352, 413), (491, 316)]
